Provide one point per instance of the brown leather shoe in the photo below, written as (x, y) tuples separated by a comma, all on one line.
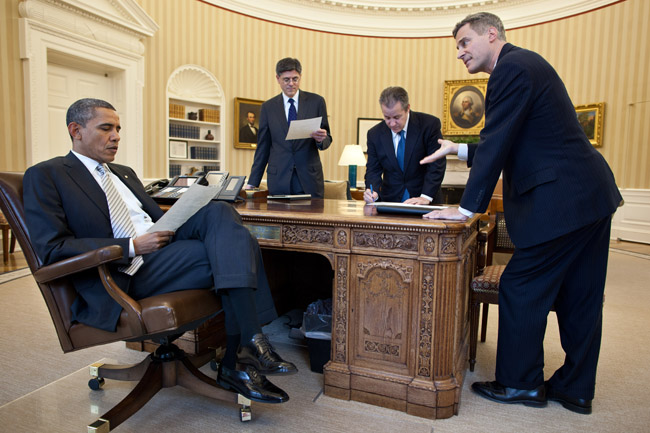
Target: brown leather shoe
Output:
[(577, 405), (259, 353), (502, 394)]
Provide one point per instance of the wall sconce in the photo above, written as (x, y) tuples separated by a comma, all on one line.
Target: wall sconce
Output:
[(352, 156)]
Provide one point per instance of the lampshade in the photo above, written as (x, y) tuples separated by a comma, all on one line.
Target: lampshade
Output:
[(352, 155)]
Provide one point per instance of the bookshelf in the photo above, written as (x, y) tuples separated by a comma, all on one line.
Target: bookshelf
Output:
[(195, 119)]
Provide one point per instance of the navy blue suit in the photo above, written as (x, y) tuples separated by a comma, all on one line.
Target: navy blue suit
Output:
[(283, 156), (383, 171), (559, 195), (67, 214)]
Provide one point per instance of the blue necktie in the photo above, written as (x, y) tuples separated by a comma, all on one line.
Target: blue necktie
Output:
[(400, 159), (293, 115)]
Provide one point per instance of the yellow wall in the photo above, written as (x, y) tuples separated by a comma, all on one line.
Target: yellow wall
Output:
[(602, 56)]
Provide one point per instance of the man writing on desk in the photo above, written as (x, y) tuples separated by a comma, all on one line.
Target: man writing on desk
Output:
[(559, 196), (294, 166), (395, 148), (82, 201)]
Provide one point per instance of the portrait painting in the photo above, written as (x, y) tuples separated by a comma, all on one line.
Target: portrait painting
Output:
[(247, 118), (464, 107), (591, 118)]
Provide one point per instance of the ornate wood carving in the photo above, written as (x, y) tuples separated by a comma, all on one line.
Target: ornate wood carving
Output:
[(426, 321), (294, 234), (385, 241), (341, 309), (342, 238), (429, 245), (448, 245)]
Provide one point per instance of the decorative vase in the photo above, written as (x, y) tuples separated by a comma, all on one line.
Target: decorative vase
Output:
[(192, 116), (209, 136)]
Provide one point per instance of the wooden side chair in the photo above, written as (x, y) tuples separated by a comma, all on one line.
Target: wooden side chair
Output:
[(6, 248), (161, 318)]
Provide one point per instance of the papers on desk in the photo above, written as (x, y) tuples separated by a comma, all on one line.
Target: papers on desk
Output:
[(289, 197), (395, 207), (303, 128), (187, 205)]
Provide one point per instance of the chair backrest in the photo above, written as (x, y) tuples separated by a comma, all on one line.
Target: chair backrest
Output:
[(337, 190), (60, 294)]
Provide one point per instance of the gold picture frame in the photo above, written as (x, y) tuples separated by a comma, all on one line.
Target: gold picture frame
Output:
[(245, 138), (591, 117), (459, 118), (363, 126)]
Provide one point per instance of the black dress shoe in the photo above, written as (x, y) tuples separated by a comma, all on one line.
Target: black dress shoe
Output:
[(502, 394), (577, 405), (251, 385), (259, 353)]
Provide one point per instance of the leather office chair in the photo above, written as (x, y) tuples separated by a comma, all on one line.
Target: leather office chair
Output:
[(6, 249), (160, 318), (337, 190)]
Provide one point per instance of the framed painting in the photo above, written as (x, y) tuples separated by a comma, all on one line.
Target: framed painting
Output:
[(464, 107), (363, 125), (247, 117), (591, 118)]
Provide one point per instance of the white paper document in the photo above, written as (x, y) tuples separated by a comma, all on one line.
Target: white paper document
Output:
[(187, 205), (303, 128)]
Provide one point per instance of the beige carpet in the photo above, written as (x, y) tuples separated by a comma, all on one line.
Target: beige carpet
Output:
[(44, 390)]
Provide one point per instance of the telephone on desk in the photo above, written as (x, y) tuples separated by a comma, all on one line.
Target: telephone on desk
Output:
[(170, 192)]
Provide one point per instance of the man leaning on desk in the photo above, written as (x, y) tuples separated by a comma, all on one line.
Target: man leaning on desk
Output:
[(395, 147), (294, 166), (82, 201)]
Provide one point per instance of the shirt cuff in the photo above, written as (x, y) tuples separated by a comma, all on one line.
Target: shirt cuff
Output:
[(462, 151), (467, 213), (131, 248), (427, 197)]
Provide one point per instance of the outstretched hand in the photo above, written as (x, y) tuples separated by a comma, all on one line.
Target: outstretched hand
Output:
[(446, 147)]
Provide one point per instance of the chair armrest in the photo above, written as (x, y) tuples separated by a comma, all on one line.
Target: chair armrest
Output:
[(485, 247), (78, 263), (131, 306)]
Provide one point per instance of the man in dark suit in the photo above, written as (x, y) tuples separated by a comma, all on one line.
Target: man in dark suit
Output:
[(294, 166), (559, 196), (395, 148), (248, 132), (82, 201)]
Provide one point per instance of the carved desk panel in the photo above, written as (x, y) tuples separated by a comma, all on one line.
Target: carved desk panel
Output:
[(400, 297)]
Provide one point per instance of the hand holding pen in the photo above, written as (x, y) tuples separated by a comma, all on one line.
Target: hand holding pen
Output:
[(370, 196)]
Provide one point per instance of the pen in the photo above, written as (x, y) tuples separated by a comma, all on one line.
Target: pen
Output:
[(372, 193)]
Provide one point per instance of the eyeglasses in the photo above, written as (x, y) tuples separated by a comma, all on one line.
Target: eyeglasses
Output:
[(288, 80)]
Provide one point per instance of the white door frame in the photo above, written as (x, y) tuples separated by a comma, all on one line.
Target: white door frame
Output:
[(80, 31)]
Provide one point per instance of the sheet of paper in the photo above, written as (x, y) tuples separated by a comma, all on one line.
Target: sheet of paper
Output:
[(187, 205), (303, 128)]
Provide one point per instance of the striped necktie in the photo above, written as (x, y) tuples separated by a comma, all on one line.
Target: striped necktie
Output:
[(120, 219), (401, 148)]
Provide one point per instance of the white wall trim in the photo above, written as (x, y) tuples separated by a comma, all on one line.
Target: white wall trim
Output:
[(632, 221), (104, 32), (403, 18)]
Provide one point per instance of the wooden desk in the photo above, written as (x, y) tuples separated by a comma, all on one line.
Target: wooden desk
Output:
[(400, 298)]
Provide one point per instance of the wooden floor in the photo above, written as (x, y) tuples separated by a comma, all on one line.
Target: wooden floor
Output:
[(16, 261)]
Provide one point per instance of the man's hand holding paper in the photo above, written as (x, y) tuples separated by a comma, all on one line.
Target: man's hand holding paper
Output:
[(305, 128)]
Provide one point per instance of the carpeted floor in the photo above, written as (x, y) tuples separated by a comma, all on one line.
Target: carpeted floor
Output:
[(44, 390)]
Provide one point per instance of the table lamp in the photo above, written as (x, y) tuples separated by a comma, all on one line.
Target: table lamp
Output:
[(352, 156)]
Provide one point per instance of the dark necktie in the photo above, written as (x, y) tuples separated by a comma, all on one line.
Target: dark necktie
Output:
[(400, 159), (120, 219), (293, 115)]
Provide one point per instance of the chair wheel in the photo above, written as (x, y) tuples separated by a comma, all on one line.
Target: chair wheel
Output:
[(245, 413), (214, 365), (96, 383)]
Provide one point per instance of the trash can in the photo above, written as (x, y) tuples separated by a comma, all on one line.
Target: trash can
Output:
[(317, 326)]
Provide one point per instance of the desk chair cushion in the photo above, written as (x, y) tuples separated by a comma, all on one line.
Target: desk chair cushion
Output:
[(488, 281)]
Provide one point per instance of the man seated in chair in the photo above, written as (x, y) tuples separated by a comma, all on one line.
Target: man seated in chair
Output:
[(81, 202)]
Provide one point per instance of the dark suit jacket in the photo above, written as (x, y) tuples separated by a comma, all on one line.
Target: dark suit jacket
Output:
[(282, 155), (382, 169), (67, 214), (246, 135), (554, 181)]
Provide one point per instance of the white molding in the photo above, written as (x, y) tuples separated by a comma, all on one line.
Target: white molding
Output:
[(407, 18), (631, 222), (105, 32)]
